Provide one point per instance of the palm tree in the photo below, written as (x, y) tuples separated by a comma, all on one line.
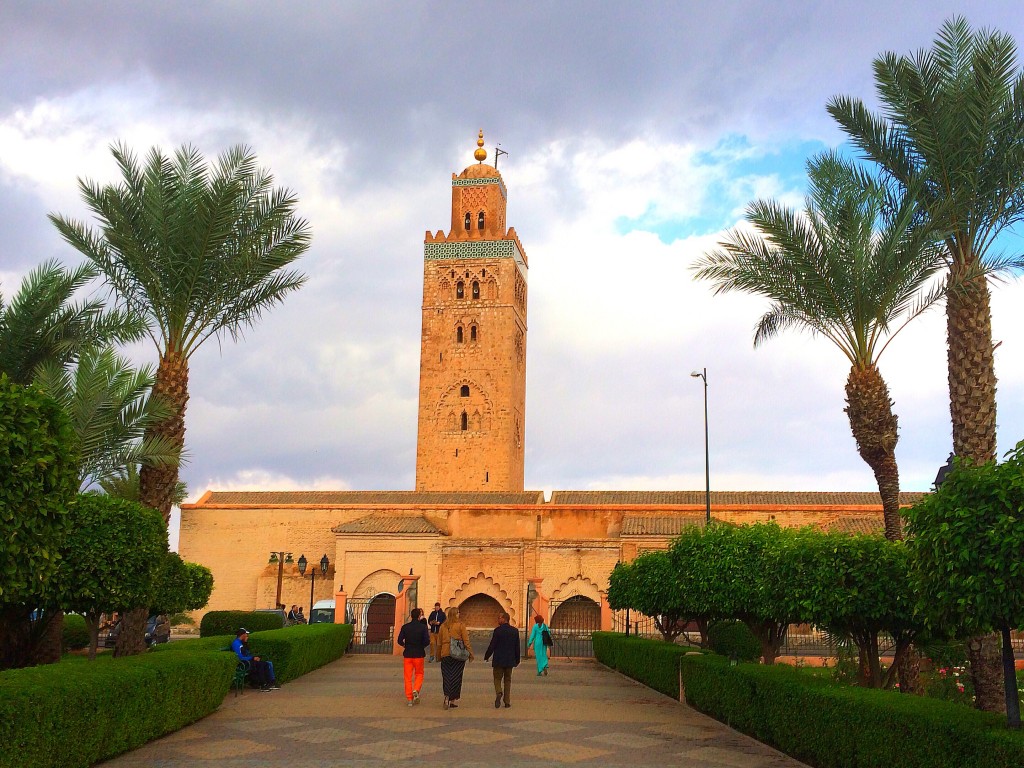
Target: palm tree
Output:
[(110, 407), (124, 484), (952, 125), (198, 252), (853, 268), (42, 324)]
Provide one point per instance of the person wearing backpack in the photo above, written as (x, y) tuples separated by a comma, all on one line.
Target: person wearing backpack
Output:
[(540, 640)]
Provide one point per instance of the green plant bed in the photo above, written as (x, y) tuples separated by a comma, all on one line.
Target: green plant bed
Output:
[(77, 713), (228, 622), (655, 663), (74, 634), (832, 726)]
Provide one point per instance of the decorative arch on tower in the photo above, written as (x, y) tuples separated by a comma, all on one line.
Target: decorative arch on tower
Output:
[(483, 585), (577, 586), (476, 405)]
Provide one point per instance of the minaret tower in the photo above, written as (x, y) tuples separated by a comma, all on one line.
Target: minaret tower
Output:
[(473, 349)]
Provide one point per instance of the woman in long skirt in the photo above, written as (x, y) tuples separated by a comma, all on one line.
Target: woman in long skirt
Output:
[(536, 641), (452, 668)]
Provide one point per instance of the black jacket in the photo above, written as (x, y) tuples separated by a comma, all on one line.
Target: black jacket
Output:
[(504, 646), (414, 637)]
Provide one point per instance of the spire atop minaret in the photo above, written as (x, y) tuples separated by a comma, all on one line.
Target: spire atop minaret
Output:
[(480, 154)]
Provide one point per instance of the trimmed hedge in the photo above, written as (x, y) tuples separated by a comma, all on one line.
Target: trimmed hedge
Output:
[(294, 651), (655, 663), (830, 726), (77, 713), (74, 633), (228, 622), (727, 638)]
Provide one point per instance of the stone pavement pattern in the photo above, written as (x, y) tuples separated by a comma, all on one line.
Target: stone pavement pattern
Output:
[(353, 713)]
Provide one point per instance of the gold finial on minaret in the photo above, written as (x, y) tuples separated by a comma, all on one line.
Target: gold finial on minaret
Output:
[(480, 154)]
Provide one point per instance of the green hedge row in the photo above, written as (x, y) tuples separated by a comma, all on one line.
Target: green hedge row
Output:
[(294, 651), (228, 622), (832, 726), (654, 663), (77, 713)]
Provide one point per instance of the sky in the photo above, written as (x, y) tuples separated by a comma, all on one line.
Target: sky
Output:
[(636, 135)]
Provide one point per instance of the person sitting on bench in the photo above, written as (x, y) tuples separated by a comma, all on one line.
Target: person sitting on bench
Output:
[(262, 672)]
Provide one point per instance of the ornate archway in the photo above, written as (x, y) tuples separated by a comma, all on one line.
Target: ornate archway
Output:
[(480, 611)]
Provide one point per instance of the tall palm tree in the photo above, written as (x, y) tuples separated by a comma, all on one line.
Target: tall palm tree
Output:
[(43, 324), (199, 252), (124, 484), (110, 407), (854, 268), (951, 123)]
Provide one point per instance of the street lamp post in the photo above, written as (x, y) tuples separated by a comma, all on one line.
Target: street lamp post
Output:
[(703, 375), (324, 565), (280, 558)]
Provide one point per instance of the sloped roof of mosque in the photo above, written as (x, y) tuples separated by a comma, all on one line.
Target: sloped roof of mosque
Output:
[(726, 498), (388, 523), (357, 498), (857, 524), (652, 525)]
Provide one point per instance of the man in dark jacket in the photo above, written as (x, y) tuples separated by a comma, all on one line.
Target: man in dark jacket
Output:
[(414, 637), (437, 618), (504, 647)]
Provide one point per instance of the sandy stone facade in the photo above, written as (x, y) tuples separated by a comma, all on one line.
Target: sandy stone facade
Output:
[(469, 535)]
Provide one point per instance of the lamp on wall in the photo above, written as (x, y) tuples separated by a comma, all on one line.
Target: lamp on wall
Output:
[(324, 565)]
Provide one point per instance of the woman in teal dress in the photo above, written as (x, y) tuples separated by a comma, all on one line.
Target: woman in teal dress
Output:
[(536, 640)]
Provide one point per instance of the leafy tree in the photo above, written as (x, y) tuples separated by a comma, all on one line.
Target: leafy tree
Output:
[(651, 586), (180, 586), (113, 557), (110, 407), (198, 253), (951, 125), (851, 267), (967, 539), (38, 480), (41, 324)]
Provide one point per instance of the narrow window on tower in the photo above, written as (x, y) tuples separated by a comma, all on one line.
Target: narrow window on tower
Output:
[(467, 221), (464, 392), (480, 220), (472, 333), (460, 290), (465, 421), (458, 335), (487, 477), (476, 289)]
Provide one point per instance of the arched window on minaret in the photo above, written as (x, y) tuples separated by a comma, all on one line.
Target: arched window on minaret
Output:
[(464, 391), (468, 221), (460, 290), (480, 220), (458, 335), (472, 333), (465, 421), (476, 289)]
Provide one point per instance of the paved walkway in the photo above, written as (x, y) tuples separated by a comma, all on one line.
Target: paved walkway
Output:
[(353, 713)]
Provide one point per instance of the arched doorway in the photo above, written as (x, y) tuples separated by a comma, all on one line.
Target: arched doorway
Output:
[(374, 619), (380, 617), (480, 611), (573, 622)]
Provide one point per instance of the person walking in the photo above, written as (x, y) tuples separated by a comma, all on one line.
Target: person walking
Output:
[(435, 621), (414, 637), (504, 647), (539, 640), (453, 636)]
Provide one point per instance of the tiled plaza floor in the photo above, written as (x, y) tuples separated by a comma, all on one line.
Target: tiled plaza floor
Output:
[(353, 713)]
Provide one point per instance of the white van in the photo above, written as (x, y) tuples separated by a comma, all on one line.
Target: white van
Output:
[(322, 613)]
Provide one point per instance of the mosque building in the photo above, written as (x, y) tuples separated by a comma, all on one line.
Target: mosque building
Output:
[(469, 534)]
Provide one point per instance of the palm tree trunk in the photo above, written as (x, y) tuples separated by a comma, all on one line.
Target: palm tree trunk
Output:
[(157, 484), (875, 428), (972, 406)]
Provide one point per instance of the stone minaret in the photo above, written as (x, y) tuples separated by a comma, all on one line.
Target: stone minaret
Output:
[(473, 350)]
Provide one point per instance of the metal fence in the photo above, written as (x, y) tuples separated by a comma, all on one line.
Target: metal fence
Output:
[(374, 620), (573, 622)]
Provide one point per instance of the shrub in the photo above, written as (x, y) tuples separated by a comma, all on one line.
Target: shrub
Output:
[(655, 663), (228, 622), (75, 635), (734, 638), (831, 726), (77, 713)]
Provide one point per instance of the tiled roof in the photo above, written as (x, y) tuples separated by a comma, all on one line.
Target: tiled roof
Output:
[(874, 525), (649, 525), (384, 523), (366, 498), (726, 498)]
